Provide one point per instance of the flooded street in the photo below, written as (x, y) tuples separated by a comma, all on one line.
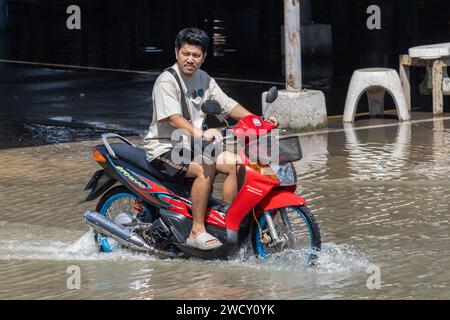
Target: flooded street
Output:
[(379, 189), (379, 192)]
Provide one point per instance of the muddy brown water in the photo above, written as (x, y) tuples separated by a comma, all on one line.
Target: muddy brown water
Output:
[(380, 196)]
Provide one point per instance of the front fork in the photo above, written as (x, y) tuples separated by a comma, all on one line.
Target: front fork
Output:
[(275, 239)]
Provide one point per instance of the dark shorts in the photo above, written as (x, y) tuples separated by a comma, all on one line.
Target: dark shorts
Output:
[(165, 165)]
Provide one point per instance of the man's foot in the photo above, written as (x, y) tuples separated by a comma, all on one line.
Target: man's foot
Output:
[(204, 241)]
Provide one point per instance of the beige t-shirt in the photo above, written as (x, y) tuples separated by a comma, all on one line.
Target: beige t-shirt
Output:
[(166, 98)]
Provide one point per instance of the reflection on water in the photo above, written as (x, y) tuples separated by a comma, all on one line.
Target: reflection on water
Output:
[(377, 158), (315, 156), (390, 200), (380, 196)]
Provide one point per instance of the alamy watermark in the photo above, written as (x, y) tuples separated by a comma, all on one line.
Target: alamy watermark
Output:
[(73, 22), (74, 280), (374, 21), (374, 280)]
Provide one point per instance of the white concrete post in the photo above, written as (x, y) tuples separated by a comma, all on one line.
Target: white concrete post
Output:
[(295, 108), (292, 45)]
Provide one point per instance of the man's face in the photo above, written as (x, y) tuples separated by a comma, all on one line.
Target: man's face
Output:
[(190, 58)]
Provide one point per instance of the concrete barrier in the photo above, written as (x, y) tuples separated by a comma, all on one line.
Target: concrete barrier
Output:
[(297, 110)]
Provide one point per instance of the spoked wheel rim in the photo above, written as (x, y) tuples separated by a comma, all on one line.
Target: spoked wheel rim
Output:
[(117, 204), (297, 231), (114, 206)]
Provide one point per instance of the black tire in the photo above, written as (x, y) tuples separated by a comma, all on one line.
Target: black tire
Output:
[(305, 230)]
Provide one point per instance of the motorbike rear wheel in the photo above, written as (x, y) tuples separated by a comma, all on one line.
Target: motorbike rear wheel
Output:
[(299, 230), (117, 201)]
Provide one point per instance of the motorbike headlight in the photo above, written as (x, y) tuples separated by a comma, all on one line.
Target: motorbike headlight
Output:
[(285, 173)]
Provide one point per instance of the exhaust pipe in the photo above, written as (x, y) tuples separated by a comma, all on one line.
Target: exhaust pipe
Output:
[(119, 233)]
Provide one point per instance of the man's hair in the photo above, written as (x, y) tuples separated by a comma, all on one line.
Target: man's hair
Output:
[(192, 36)]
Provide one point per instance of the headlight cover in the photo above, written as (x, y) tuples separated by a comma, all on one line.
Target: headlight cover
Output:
[(286, 174)]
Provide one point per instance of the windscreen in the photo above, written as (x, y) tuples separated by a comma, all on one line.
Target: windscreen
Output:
[(272, 149)]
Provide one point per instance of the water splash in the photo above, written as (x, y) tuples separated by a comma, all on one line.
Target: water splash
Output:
[(83, 249), (332, 259), (85, 245), (340, 259)]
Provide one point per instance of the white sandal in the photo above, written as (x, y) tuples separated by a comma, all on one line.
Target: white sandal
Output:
[(201, 242)]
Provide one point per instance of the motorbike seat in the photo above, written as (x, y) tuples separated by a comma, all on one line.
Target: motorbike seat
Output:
[(136, 156)]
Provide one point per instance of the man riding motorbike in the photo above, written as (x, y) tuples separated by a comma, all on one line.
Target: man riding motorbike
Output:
[(177, 97)]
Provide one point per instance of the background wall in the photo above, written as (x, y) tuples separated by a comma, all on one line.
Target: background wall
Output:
[(246, 36)]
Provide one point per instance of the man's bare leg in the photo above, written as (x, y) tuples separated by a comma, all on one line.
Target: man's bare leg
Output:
[(226, 163), (204, 177)]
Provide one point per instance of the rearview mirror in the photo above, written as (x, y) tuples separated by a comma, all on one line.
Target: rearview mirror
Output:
[(211, 107), (272, 95)]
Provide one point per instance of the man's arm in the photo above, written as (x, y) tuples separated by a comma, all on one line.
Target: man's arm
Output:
[(239, 112), (179, 122)]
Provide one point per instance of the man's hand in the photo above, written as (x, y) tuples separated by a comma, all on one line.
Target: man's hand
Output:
[(212, 134), (273, 120)]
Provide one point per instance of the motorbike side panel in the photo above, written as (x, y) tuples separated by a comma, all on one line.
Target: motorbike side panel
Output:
[(281, 198), (255, 188)]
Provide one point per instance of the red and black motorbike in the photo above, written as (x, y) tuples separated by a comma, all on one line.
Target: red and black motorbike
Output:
[(148, 212)]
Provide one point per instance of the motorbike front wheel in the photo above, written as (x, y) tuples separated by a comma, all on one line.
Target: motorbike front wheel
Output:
[(296, 228)]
